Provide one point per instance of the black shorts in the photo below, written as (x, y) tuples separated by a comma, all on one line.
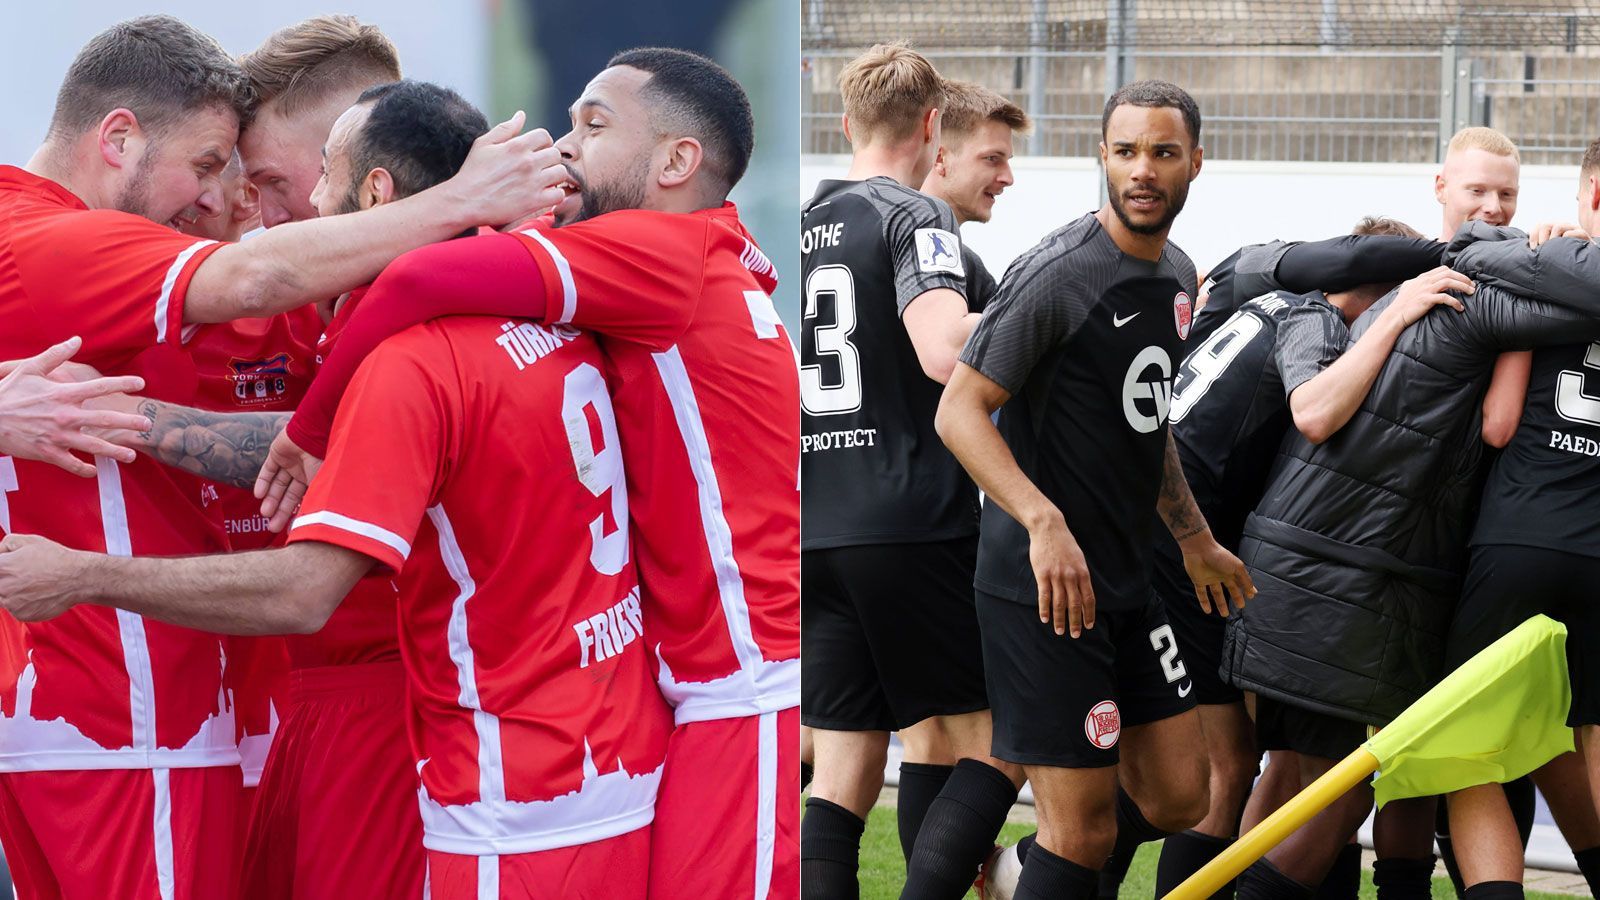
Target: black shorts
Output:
[(1199, 633), (888, 635), (1506, 584), (1063, 701), (1283, 726)]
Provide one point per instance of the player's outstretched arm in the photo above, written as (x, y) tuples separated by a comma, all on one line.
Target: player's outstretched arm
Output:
[(1217, 573), (939, 325), (224, 447), (291, 590), (505, 177), (1324, 403), (1066, 594), (43, 410)]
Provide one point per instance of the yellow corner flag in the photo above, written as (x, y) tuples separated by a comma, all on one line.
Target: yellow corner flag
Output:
[(1498, 717)]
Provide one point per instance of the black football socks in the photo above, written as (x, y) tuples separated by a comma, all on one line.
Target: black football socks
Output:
[(1046, 876), (1133, 829), (1589, 865), (1186, 853), (830, 851), (1404, 879), (1494, 890), (920, 783), (958, 832), (1343, 881), (1263, 881)]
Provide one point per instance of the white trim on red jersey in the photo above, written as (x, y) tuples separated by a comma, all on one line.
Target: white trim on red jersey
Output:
[(569, 289), (760, 685), (604, 806), (607, 805), (130, 626), (164, 301), (30, 745), (491, 765), (355, 526)]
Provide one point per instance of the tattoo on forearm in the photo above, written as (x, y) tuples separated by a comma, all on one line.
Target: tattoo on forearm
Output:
[(1175, 503), (225, 447)]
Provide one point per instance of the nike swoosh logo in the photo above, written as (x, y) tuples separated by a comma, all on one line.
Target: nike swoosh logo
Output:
[(1182, 691), (1119, 321)]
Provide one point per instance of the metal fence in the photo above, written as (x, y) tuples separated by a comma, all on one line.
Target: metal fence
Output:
[(1332, 103)]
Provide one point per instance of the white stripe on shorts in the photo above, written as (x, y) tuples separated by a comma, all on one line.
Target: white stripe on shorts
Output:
[(488, 878), (163, 832), (766, 801)]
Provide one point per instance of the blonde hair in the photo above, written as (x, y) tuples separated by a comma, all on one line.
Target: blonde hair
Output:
[(1384, 225), (968, 105), (302, 64), (1478, 137), (888, 89)]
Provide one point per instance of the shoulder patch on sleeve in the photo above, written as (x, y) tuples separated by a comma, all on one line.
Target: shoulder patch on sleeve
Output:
[(939, 251)]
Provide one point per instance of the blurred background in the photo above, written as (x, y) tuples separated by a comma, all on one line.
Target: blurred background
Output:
[(503, 55), (1316, 112)]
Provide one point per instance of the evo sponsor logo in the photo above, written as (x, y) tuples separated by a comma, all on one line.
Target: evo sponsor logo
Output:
[(527, 343), (605, 634), (1147, 390)]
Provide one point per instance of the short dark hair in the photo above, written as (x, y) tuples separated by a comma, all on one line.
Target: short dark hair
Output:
[(420, 133), (300, 65), (699, 97), (1154, 95), (1591, 159), (158, 67)]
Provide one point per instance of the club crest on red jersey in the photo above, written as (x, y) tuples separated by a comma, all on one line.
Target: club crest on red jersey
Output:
[(1103, 725), (260, 380), (1183, 314)]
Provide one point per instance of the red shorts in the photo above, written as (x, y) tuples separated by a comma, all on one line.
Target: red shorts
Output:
[(162, 834), (336, 814), (612, 869), (744, 776)]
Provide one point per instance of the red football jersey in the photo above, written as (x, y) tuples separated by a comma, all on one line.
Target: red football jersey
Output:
[(708, 405), (99, 688), (254, 365), (479, 458), (363, 629)]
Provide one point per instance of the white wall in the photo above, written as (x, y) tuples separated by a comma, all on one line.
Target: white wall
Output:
[(444, 43), (1234, 203)]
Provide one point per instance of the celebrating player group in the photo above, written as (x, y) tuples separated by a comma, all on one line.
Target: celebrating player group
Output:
[(1251, 513), (531, 629)]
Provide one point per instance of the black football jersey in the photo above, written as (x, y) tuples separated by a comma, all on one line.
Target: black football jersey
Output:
[(1230, 402), (1086, 340), (1544, 490), (981, 286), (873, 468)]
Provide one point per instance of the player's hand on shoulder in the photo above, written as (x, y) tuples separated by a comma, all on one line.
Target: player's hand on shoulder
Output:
[(1066, 595), (283, 480), (50, 407), (508, 176), (1550, 230), (1219, 577), (1428, 290), (39, 579)]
